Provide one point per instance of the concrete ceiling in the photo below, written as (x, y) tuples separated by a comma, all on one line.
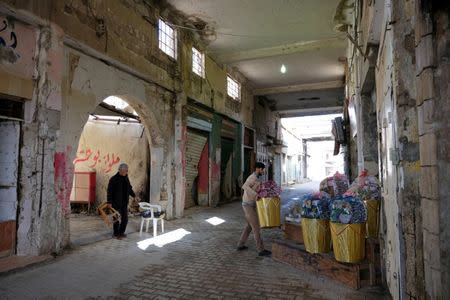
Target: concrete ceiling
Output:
[(306, 67), (258, 36), (317, 102)]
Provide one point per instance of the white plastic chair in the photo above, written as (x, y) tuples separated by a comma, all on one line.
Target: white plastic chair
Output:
[(151, 207)]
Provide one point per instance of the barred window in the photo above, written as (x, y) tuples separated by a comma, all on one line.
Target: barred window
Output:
[(167, 39), (233, 89), (198, 62)]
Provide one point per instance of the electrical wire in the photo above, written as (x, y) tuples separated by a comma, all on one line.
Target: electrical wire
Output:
[(221, 33)]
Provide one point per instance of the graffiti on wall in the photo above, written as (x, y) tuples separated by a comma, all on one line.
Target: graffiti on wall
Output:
[(8, 43), (63, 179), (94, 159)]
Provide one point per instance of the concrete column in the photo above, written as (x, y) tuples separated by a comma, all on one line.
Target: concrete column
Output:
[(369, 139), (304, 160), (45, 174), (156, 158), (179, 162), (214, 161)]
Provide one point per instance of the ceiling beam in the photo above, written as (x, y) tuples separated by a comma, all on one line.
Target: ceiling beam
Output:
[(298, 47), (299, 88), (319, 138), (310, 112)]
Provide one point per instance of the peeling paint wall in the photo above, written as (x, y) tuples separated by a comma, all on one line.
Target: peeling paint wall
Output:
[(70, 56), (104, 145), (26, 72)]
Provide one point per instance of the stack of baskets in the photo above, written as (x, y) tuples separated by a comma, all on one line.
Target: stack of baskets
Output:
[(343, 219)]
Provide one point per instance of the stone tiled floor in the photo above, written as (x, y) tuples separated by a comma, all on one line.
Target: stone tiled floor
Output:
[(194, 260)]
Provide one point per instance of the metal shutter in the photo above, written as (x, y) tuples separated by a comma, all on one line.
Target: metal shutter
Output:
[(194, 147)]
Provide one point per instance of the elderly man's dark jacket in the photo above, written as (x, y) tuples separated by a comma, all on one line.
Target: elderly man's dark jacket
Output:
[(119, 190)]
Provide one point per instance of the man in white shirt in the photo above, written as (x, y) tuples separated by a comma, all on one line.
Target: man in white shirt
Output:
[(251, 188)]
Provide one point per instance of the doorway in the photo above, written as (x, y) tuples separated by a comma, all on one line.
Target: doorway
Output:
[(226, 169), (112, 135), (11, 114), (197, 168)]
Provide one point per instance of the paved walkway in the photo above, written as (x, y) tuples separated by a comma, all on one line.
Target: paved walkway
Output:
[(194, 260), (297, 191)]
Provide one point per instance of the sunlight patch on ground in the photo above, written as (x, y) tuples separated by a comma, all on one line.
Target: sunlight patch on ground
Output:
[(215, 221), (163, 239)]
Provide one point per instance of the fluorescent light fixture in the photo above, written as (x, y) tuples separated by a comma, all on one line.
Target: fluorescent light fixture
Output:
[(215, 221), (283, 69), (163, 239)]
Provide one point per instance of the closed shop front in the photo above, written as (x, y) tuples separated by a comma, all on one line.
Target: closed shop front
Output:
[(197, 144), (10, 114), (230, 160), (197, 157)]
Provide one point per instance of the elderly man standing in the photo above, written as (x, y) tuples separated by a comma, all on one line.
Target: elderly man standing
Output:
[(119, 190), (251, 187)]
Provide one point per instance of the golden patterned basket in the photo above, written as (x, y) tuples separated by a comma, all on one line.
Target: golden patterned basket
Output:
[(269, 212), (373, 217), (348, 241), (316, 235)]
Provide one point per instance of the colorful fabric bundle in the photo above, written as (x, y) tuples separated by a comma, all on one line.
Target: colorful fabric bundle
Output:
[(335, 185), (340, 184), (365, 187), (291, 211), (326, 185), (269, 189), (316, 206), (348, 210)]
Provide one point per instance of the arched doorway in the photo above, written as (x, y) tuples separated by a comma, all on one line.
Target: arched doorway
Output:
[(89, 82), (113, 134)]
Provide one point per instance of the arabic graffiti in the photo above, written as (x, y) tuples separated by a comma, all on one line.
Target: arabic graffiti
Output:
[(12, 37), (8, 43), (94, 159)]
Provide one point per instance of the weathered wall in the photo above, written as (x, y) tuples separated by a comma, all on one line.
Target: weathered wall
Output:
[(104, 145), (408, 147), (385, 61), (292, 171), (265, 119), (267, 124), (212, 90), (89, 82), (432, 51), (70, 56), (26, 72), (119, 29)]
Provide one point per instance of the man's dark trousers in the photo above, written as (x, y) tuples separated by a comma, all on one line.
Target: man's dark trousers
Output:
[(120, 227)]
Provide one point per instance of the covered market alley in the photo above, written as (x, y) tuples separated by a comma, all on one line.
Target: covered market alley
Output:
[(346, 103)]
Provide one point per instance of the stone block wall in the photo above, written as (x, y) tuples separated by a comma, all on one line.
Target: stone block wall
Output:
[(432, 47), (386, 48)]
